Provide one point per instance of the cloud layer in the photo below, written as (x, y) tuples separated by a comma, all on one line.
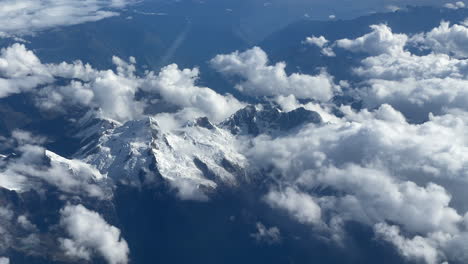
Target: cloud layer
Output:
[(20, 17), (394, 165), (111, 92), (397, 165)]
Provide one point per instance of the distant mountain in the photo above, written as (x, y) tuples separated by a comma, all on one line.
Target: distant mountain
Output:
[(287, 44)]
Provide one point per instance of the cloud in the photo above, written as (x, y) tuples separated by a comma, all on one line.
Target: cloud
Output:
[(111, 92), (417, 248), (415, 167), (300, 205), (380, 41), (20, 70), (21, 17), (16, 231), (178, 86), (270, 235), (90, 234), (416, 84), (446, 39), (456, 5), (419, 209), (322, 43), (380, 137), (261, 79), (34, 164), (4, 260)]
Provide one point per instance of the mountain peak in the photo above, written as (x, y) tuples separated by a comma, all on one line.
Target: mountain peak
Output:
[(267, 119)]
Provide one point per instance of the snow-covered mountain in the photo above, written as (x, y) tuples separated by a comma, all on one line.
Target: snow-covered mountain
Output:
[(195, 158)]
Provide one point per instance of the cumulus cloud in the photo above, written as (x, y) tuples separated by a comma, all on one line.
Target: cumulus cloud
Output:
[(417, 247), (261, 79), (322, 43), (178, 86), (34, 164), (20, 70), (381, 40), (416, 84), (111, 92), (350, 156), (90, 233), (415, 166), (22, 17), (300, 205), (396, 165), (446, 39)]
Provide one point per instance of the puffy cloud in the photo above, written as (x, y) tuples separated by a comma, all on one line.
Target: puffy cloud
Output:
[(35, 164), (300, 205), (415, 248), (407, 65), (380, 137), (270, 235), (417, 85), (418, 209), (261, 79), (456, 5), (20, 70), (111, 92), (317, 41), (178, 87), (322, 43), (381, 40), (30, 16), (349, 157), (90, 233), (418, 98), (445, 39)]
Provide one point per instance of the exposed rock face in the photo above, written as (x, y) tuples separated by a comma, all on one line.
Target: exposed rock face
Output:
[(266, 119)]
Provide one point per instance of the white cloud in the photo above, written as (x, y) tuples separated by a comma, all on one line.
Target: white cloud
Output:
[(178, 86), (414, 248), (111, 92), (261, 79), (351, 156), (446, 39), (456, 5), (21, 17), (20, 70), (27, 170), (317, 41), (418, 209), (300, 205), (322, 43), (381, 40), (417, 85), (381, 137), (90, 234), (4, 260)]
